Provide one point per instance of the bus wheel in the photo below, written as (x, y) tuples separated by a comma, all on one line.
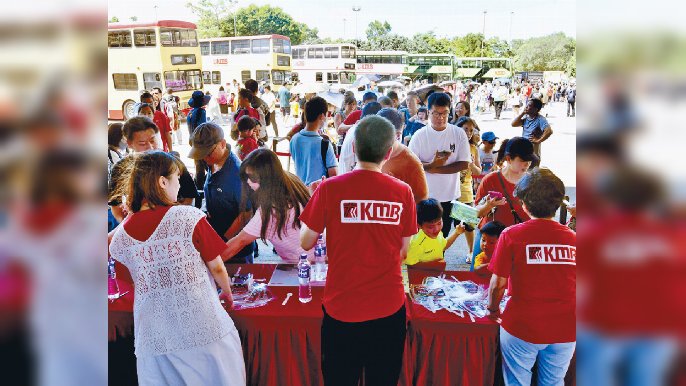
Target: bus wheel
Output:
[(127, 109)]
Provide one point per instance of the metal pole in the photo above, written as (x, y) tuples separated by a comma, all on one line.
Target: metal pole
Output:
[(343, 28), (356, 9), (511, 15), (483, 38), (235, 33)]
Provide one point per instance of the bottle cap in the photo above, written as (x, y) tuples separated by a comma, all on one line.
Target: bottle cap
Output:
[(303, 256)]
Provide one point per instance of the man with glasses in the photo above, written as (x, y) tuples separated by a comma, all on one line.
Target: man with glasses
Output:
[(443, 150), (222, 186)]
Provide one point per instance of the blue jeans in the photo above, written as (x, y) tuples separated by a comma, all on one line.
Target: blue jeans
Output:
[(647, 359), (519, 357)]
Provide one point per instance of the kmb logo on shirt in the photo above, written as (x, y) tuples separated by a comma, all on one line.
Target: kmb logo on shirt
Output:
[(371, 212), (550, 254)]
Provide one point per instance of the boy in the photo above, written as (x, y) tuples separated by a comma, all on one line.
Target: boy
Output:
[(486, 154), (428, 245), (489, 238), (246, 133)]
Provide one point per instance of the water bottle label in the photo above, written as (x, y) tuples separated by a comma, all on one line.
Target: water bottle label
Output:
[(317, 251), (304, 272)]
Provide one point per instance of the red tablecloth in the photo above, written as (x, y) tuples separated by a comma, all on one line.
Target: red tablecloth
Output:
[(446, 349)]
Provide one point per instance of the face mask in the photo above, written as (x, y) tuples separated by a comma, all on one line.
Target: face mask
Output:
[(122, 144)]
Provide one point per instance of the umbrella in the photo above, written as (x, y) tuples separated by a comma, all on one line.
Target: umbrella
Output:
[(309, 88), (390, 83), (361, 81), (423, 91), (403, 77), (335, 98), (504, 80), (447, 83)]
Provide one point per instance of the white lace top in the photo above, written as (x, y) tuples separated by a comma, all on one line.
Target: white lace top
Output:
[(176, 306)]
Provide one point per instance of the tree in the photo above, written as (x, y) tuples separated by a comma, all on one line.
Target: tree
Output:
[(211, 14), (134, 18), (377, 29), (254, 20), (114, 19), (551, 52)]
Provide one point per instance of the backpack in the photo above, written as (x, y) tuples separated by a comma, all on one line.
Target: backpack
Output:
[(324, 149)]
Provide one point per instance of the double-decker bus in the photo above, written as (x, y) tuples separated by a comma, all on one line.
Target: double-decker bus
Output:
[(263, 58), (141, 56), (387, 65), (434, 67), (479, 68), (333, 64)]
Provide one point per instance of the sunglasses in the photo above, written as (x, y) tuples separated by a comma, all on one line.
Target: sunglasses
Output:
[(252, 177)]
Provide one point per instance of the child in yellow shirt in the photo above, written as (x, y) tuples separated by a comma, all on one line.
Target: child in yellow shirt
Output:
[(490, 233), (428, 245)]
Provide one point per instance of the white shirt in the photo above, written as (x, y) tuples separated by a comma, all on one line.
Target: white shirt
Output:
[(347, 159), (426, 142), (270, 100)]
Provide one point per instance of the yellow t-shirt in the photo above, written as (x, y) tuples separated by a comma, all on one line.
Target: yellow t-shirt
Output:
[(481, 258), (424, 249), (466, 187)]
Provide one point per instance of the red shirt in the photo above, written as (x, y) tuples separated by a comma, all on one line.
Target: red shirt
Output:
[(631, 275), (366, 215), (244, 146), (142, 224), (246, 110), (503, 213), (539, 258), (162, 122), (353, 117)]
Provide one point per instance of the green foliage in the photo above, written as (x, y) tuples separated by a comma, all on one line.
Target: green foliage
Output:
[(377, 29), (114, 19), (211, 17), (134, 18), (552, 52)]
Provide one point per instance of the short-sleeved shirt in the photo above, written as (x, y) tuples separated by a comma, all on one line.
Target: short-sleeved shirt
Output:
[(287, 245), (406, 167), (503, 213), (466, 180), (487, 160), (425, 249), (223, 198), (142, 224), (353, 117), (306, 150), (195, 118), (245, 146), (366, 215), (284, 97), (481, 258), (347, 158), (187, 186), (534, 127), (539, 258), (426, 142)]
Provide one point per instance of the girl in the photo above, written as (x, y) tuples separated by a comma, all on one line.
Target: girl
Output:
[(174, 257), (279, 197), (466, 183)]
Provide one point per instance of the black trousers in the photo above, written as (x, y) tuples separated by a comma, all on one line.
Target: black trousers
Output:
[(447, 220), (375, 345), (571, 106), (498, 108)]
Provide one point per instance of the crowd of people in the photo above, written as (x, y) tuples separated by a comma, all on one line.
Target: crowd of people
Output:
[(380, 180)]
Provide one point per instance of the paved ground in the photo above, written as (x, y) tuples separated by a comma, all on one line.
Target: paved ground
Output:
[(558, 154)]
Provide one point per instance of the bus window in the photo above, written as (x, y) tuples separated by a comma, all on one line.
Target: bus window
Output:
[(278, 77), (239, 47), (298, 53), (220, 48), (260, 46), (176, 37), (347, 77), (182, 59), (319, 53), (331, 52), (318, 77), (282, 46), (245, 75), (151, 79), (204, 48), (119, 38), (182, 80), (144, 38), (332, 77), (261, 75), (216, 77), (283, 60), (125, 81), (206, 77)]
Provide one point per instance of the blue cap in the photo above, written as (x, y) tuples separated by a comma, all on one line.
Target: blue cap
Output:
[(488, 136), (369, 95)]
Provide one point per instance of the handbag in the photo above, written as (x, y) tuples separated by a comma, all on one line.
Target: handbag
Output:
[(509, 202)]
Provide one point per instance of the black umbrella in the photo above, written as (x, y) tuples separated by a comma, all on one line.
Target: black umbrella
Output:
[(424, 91)]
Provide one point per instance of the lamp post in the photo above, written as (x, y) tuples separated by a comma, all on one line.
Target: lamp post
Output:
[(356, 9), (234, 4), (343, 28), (483, 37), (511, 15)]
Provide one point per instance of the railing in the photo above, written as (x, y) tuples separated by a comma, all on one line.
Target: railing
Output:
[(275, 141)]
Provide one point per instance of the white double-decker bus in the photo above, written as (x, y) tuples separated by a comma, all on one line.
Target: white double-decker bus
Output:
[(386, 64), (333, 64), (263, 58), (141, 56)]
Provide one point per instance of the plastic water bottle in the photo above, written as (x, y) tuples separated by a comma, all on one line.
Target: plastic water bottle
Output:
[(304, 271), (112, 286), (320, 259)]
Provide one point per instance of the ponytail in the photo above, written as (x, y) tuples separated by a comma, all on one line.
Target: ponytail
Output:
[(501, 152)]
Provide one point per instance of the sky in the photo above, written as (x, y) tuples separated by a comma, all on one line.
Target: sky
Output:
[(451, 18)]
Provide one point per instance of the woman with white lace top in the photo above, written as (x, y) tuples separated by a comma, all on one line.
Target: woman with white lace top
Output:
[(182, 333)]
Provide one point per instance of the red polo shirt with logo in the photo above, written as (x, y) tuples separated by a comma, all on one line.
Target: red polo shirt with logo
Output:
[(366, 214), (539, 258)]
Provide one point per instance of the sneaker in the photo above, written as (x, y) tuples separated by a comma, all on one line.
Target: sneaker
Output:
[(468, 260)]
